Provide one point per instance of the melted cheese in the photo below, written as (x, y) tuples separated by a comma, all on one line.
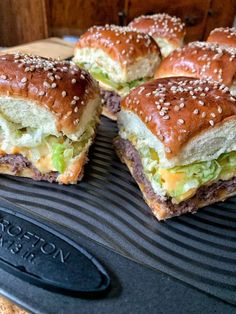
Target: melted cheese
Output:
[(170, 180), (44, 164)]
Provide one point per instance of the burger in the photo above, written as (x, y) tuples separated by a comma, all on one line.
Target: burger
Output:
[(168, 31), (178, 138), (119, 58), (225, 36), (202, 60), (49, 111)]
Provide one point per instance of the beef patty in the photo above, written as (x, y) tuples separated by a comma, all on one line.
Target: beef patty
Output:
[(17, 162), (111, 100)]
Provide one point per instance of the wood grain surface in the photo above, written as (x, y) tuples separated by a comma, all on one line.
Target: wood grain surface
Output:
[(50, 48), (22, 21)]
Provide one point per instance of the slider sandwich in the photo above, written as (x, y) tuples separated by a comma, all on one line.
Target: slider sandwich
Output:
[(48, 116), (119, 58), (178, 138), (168, 31), (204, 61), (225, 36)]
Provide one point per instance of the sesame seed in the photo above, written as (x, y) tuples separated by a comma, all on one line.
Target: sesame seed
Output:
[(76, 109), (63, 93), (166, 117), (201, 103), (76, 97), (211, 122), (57, 77), (24, 80), (203, 114), (219, 109), (196, 111), (168, 150), (46, 84), (73, 81), (54, 85), (73, 102), (213, 115), (180, 121), (3, 77), (176, 108), (181, 105), (41, 93)]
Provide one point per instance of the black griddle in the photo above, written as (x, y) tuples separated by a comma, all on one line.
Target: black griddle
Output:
[(151, 264)]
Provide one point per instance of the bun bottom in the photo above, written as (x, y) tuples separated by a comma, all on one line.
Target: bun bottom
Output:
[(164, 209), (74, 174), (108, 114)]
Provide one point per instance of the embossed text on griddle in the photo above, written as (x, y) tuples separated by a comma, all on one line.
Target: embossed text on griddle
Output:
[(28, 244)]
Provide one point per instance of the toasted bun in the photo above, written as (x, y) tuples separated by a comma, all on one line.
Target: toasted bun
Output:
[(168, 31), (201, 60), (40, 92), (124, 54), (163, 210), (223, 36), (107, 113), (185, 120)]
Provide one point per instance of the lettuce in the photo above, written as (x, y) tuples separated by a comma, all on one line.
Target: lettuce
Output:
[(186, 178), (202, 171), (122, 88), (60, 156), (195, 175)]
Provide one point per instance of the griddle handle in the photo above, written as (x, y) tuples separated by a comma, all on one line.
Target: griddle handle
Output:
[(43, 257)]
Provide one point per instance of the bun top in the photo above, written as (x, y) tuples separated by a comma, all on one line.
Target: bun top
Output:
[(177, 109), (121, 43), (224, 36), (60, 86), (201, 60), (160, 25)]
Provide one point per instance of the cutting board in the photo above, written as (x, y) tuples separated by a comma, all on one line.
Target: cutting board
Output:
[(50, 48)]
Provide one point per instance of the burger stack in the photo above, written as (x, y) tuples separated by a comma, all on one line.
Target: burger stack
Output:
[(174, 105)]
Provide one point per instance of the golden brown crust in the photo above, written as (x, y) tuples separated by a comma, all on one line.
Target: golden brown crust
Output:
[(160, 209), (108, 114), (161, 25), (200, 60), (121, 43), (224, 36), (177, 109), (59, 86)]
